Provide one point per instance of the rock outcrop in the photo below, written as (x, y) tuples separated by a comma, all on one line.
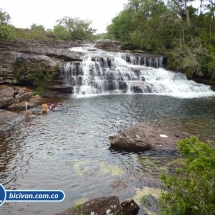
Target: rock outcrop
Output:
[(19, 58), (6, 95), (206, 82), (144, 137), (103, 206), (108, 45)]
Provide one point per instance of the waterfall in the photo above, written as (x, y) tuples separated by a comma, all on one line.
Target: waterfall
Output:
[(104, 73)]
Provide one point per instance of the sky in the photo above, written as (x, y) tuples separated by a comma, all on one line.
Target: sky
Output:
[(24, 13)]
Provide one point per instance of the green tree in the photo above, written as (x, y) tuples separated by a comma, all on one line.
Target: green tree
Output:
[(174, 28), (191, 189), (38, 32), (121, 26), (78, 29), (4, 17), (152, 25), (6, 33), (61, 33)]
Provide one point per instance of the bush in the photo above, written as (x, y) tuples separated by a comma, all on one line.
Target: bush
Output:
[(6, 33), (191, 189)]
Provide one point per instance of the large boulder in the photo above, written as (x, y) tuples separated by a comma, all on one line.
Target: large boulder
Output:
[(206, 82), (103, 206), (108, 45), (142, 137), (129, 207)]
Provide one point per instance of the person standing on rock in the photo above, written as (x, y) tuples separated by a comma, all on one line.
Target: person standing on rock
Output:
[(27, 107), (45, 107), (16, 96)]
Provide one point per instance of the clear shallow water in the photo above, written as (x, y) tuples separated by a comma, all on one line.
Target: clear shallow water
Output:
[(69, 149)]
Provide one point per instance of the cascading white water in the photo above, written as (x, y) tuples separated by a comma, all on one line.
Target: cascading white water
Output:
[(104, 72)]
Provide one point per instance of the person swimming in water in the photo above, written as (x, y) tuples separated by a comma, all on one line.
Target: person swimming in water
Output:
[(52, 106)]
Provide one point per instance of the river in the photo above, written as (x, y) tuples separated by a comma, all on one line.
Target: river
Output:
[(68, 149)]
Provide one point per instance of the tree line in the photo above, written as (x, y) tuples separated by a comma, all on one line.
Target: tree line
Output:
[(184, 33), (65, 29), (177, 29)]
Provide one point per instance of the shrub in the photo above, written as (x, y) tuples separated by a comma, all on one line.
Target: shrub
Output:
[(190, 190)]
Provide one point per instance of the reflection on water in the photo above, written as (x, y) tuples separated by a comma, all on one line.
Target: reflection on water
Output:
[(69, 150)]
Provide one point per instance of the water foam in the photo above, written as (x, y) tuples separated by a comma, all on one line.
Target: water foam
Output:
[(103, 73)]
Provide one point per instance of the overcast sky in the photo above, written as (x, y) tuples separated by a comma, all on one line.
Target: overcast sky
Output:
[(24, 13)]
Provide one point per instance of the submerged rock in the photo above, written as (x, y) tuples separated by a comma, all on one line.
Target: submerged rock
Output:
[(103, 206), (7, 117), (144, 137)]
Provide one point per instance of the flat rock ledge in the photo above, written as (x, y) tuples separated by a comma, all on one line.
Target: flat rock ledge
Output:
[(6, 94), (142, 137), (103, 206)]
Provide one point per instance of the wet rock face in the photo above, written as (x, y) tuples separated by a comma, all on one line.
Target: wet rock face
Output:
[(151, 204), (7, 60), (103, 206), (149, 60), (143, 137), (138, 87), (207, 82), (129, 207), (62, 89)]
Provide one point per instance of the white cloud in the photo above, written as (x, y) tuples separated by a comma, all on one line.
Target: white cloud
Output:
[(24, 13)]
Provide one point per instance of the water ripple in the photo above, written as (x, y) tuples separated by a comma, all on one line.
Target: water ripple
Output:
[(69, 149)]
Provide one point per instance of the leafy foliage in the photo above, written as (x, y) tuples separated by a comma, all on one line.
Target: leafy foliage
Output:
[(191, 189), (42, 76), (4, 17), (66, 29), (174, 28), (121, 27), (41, 79), (61, 33), (36, 32), (101, 36), (77, 28), (6, 33)]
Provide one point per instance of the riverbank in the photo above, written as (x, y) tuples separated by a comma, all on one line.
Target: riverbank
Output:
[(10, 113)]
